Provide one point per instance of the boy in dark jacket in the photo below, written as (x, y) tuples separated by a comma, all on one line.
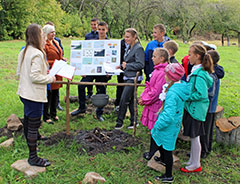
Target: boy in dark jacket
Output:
[(172, 48)]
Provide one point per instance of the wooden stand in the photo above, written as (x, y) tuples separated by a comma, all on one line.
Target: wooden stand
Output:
[(68, 83)]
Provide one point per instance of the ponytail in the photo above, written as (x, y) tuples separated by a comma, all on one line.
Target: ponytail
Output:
[(170, 84), (207, 63)]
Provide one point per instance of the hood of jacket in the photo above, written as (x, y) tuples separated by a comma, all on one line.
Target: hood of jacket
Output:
[(219, 71), (182, 89), (205, 75)]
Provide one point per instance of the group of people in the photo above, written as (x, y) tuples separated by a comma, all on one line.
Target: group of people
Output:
[(181, 94), (174, 92)]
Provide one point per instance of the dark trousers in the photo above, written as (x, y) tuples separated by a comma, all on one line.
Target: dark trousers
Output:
[(51, 104), (127, 99), (206, 140), (119, 90), (166, 156), (90, 90), (82, 92)]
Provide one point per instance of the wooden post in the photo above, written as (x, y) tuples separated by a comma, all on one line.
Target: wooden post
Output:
[(67, 107), (135, 105)]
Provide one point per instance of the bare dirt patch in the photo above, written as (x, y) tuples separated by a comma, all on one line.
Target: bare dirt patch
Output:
[(97, 140)]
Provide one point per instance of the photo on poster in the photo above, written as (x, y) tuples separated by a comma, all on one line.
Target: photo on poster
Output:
[(98, 44), (112, 45), (114, 52), (98, 61), (87, 61), (78, 67), (86, 45), (108, 53), (76, 46), (87, 53), (99, 53), (114, 60), (76, 54), (99, 69), (93, 71), (107, 60)]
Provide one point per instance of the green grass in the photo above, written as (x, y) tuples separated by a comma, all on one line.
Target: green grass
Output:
[(69, 166)]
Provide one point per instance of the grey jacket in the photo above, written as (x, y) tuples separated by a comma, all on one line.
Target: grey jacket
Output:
[(135, 59)]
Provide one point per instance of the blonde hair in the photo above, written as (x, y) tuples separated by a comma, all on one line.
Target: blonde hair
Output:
[(160, 27), (162, 52), (171, 45), (170, 84), (133, 32)]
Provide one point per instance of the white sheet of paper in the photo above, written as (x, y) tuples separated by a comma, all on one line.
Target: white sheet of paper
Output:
[(61, 68), (111, 70), (58, 64), (67, 71)]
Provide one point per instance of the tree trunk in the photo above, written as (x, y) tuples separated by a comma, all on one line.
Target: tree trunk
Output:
[(238, 39), (228, 40), (191, 30), (222, 39)]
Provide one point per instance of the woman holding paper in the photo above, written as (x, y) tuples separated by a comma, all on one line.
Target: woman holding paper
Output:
[(53, 52), (32, 72), (133, 62)]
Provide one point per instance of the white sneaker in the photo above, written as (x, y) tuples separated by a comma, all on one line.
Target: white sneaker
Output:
[(118, 126), (131, 126)]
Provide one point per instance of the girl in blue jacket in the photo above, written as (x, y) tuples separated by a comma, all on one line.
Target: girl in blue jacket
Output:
[(197, 105), (166, 129)]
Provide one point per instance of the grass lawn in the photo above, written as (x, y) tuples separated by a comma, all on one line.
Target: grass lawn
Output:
[(125, 167)]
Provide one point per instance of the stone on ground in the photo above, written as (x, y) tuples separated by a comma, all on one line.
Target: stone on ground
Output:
[(93, 178), (7, 143), (28, 170), (13, 123), (159, 167)]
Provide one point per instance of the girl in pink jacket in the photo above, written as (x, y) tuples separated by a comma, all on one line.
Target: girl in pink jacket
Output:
[(150, 95)]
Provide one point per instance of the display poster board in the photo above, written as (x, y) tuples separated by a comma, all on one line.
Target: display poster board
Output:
[(95, 57)]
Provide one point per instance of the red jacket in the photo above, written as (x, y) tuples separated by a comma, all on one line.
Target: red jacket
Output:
[(53, 53), (185, 64)]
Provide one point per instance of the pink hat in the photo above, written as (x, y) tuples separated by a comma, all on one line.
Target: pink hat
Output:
[(174, 71)]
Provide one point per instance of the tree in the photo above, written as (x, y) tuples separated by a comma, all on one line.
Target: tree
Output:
[(15, 17), (185, 14)]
